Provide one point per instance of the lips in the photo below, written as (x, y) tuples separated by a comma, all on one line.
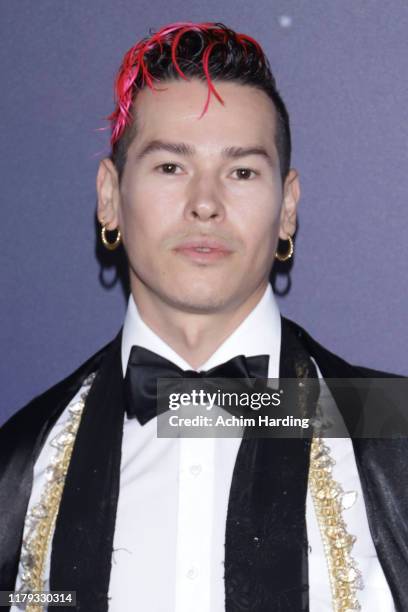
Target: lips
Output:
[(203, 249), (213, 244)]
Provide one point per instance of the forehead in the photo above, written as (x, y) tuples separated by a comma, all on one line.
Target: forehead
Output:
[(247, 116)]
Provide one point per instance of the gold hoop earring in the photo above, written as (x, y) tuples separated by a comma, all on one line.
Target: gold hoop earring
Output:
[(111, 246), (289, 252)]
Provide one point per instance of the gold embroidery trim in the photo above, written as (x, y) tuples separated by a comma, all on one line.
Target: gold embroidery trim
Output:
[(327, 494), (40, 520)]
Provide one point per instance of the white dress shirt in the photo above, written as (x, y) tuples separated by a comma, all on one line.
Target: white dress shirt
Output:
[(168, 551)]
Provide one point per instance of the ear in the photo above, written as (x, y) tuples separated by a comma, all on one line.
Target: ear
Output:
[(291, 196), (107, 187)]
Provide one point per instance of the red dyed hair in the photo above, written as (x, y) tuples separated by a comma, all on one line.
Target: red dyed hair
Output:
[(134, 73)]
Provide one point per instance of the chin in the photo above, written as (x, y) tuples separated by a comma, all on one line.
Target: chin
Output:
[(198, 302)]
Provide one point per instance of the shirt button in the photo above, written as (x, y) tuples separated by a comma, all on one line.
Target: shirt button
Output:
[(195, 469), (192, 573)]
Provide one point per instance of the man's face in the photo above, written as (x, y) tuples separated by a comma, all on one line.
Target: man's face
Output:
[(199, 215)]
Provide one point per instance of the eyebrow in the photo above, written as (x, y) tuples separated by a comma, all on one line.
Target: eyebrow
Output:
[(181, 148)]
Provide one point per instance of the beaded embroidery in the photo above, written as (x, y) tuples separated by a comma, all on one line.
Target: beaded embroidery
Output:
[(328, 498), (40, 520)]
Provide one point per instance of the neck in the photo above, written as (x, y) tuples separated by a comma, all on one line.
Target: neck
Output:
[(194, 336)]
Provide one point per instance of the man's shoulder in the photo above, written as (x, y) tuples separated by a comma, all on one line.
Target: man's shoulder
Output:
[(23, 435), (330, 364), (43, 405)]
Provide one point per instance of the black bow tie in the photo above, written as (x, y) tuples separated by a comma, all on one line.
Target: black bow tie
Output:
[(145, 367)]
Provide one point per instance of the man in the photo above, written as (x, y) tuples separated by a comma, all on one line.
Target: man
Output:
[(199, 189)]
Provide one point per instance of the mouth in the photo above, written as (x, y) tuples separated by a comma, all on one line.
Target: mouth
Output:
[(203, 250)]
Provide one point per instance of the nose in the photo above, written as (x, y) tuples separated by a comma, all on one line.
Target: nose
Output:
[(204, 200)]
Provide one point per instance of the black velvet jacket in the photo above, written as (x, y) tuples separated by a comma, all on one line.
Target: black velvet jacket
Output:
[(266, 539)]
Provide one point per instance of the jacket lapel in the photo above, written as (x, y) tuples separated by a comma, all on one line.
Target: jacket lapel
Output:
[(87, 513), (21, 440), (382, 467), (266, 541)]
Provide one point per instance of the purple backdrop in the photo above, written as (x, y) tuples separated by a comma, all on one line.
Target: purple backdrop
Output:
[(342, 70)]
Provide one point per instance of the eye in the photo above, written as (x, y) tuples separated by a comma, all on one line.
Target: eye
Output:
[(168, 168), (245, 173)]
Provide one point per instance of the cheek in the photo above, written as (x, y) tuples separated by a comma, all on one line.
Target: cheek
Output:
[(144, 214), (263, 243), (259, 221)]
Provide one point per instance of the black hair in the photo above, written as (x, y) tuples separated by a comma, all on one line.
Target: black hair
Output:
[(228, 56)]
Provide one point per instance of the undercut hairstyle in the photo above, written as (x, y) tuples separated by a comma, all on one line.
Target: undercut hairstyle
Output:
[(209, 52)]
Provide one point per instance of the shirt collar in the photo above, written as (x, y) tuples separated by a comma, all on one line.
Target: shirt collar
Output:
[(258, 334)]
